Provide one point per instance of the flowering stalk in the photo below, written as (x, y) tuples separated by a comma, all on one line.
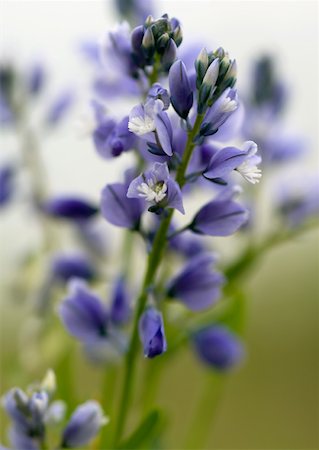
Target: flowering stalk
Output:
[(153, 262)]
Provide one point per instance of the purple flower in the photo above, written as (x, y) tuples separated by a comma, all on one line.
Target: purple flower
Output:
[(120, 311), (73, 265), (227, 159), (180, 88), (151, 330), (6, 184), (220, 217), (112, 139), (187, 245), (36, 78), (158, 188), (119, 210), (197, 285), (218, 347), (59, 107), (157, 92), (151, 123), (220, 112), (83, 314), (83, 425), (70, 208)]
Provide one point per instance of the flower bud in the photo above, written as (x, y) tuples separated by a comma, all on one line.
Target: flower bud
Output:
[(169, 55), (201, 65), (180, 88), (211, 74), (163, 42), (178, 36), (137, 38), (148, 42), (49, 382), (83, 426), (151, 329)]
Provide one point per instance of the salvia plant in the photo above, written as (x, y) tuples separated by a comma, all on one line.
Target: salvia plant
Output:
[(195, 154)]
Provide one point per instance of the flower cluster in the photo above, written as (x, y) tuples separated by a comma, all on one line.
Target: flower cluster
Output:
[(32, 413)]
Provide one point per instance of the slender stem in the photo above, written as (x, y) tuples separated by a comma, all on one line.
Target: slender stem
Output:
[(205, 412), (154, 260)]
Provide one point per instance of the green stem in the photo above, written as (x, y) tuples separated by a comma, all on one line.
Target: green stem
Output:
[(205, 411), (154, 260)]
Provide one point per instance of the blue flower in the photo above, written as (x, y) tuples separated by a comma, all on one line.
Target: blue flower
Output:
[(218, 347), (6, 184), (120, 311), (118, 209), (113, 139), (220, 217), (60, 107), (220, 112), (197, 285), (70, 208), (72, 265), (152, 335), (158, 188), (151, 123), (180, 89), (84, 425)]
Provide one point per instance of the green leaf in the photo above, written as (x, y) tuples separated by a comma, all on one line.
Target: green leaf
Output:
[(144, 431)]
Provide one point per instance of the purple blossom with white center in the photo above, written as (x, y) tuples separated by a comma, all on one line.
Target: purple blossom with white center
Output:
[(180, 89), (232, 158), (248, 168), (120, 311), (70, 208), (156, 187), (83, 425), (151, 123), (220, 112), (220, 217), (152, 335), (72, 265), (218, 347), (198, 286)]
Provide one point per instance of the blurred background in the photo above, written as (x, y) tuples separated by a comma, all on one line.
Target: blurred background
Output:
[(272, 402)]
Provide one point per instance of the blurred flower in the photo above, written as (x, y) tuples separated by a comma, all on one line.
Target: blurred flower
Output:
[(120, 311), (72, 265), (152, 335), (218, 347), (113, 139), (59, 107), (36, 78), (84, 425), (6, 184), (197, 285), (220, 217), (70, 208)]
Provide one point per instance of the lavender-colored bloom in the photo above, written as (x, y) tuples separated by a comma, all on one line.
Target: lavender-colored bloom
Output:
[(157, 92), (180, 88), (112, 139), (83, 314), (119, 210), (60, 107), (218, 347), (73, 265), (279, 146), (220, 217), (223, 162), (152, 335), (220, 112), (187, 245), (70, 208), (83, 425), (120, 311), (197, 285), (298, 200), (152, 124), (36, 79), (20, 440), (158, 188), (6, 113), (6, 184)]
